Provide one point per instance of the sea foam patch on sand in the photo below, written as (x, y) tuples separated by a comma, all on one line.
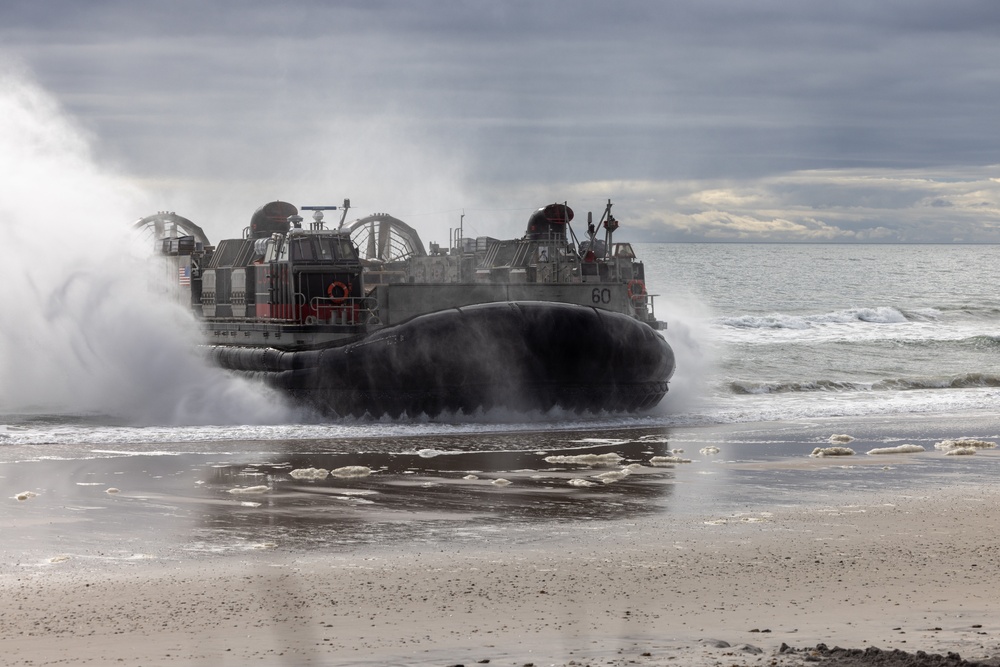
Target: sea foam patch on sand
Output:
[(965, 443), (821, 452), (899, 449), (609, 459)]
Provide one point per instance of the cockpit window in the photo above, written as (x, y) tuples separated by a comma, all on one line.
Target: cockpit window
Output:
[(302, 250), (624, 250), (319, 249), (347, 248)]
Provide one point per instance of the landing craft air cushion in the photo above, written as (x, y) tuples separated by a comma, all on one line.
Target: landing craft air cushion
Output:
[(362, 319)]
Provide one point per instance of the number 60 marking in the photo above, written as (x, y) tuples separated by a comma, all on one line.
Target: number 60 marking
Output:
[(601, 295)]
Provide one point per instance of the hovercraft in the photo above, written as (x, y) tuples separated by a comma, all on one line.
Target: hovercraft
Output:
[(363, 320)]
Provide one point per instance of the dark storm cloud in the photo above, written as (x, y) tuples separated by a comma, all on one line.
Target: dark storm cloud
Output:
[(494, 99)]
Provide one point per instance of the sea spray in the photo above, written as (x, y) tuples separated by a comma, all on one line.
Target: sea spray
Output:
[(81, 332), (689, 334)]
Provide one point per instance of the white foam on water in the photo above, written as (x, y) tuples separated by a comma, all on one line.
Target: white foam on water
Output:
[(429, 453), (663, 461), (900, 449), (965, 443), (249, 490), (578, 481), (608, 459), (961, 451), (501, 482), (709, 451), (612, 476), (310, 473), (821, 452), (841, 438), (876, 315), (351, 471), (107, 437)]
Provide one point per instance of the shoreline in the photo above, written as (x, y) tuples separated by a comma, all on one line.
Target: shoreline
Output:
[(911, 571)]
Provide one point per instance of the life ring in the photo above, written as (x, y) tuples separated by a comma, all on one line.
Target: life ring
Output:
[(636, 290), (345, 292)]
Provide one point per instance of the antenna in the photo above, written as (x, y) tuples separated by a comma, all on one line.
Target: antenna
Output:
[(318, 213)]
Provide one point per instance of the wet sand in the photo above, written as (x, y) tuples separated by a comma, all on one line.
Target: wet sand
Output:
[(752, 556), (914, 571)]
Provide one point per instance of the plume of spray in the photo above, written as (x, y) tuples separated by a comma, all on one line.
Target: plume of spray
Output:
[(689, 335), (81, 332)]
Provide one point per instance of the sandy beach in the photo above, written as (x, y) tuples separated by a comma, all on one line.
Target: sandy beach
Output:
[(916, 572)]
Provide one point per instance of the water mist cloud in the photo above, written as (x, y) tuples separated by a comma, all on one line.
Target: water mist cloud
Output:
[(80, 330)]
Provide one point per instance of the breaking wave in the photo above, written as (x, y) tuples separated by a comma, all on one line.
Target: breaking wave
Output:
[(879, 315), (963, 381), (977, 312)]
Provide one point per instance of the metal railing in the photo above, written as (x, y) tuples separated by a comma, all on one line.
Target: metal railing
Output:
[(342, 311)]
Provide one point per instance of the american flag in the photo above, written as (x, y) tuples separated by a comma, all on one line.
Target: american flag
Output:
[(184, 275)]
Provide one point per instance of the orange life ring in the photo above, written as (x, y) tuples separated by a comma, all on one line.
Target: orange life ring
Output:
[(345, 292), (636, 290)]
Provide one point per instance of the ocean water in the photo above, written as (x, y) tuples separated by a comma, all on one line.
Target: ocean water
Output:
[(778, 347), (806, 331)]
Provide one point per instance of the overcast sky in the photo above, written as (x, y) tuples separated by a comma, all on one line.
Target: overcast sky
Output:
[(723, 120)]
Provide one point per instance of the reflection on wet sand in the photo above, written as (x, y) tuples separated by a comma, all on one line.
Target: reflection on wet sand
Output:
[(406, 493), (453, 489)]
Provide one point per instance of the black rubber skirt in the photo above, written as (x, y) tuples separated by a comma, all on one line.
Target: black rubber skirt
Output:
[(521, 356)]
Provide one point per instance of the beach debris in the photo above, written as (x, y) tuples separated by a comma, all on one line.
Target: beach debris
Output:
[(667, 461), (961, 451), (579, 481), (872, 655), (25, 495), (842, 438), (901, 449), (501, 482), (471, 477), (249, 490), (112, 490), (309, 473), (61, 558), (965, 443), (708, 451), (820, 452), (609, 459), (351, 471)]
